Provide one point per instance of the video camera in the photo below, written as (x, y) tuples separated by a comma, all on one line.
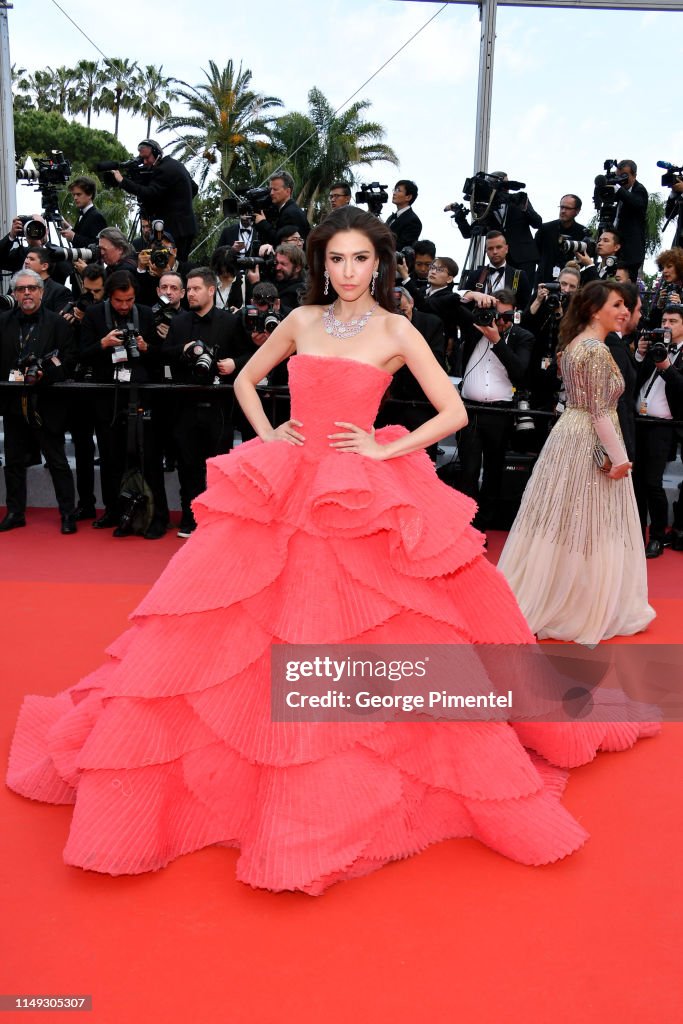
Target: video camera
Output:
[(250, 201), (604, 197), (134, 169), (374, 196), (659, 343), (482, 192), (52, 173), (673, 175)]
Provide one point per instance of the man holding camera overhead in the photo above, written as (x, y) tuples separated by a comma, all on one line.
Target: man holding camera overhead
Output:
[(36, 349), (660, 383), (166, 192)]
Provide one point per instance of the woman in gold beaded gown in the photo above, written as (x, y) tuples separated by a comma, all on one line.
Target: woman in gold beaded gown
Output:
[(574, 557)]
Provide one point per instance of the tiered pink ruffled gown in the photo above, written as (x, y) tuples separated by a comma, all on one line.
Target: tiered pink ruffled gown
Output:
[(169, 746)]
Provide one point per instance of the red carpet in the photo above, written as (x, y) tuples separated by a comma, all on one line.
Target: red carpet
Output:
[(455, 934)]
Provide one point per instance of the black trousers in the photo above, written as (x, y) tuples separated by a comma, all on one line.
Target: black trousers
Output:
[(81, 426), (654, 448), (484, 441), (111, 429), (20, 441), (203, 429)]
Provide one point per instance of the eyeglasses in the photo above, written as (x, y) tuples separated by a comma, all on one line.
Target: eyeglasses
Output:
[(337, 195), (437, 266), (27, 288)]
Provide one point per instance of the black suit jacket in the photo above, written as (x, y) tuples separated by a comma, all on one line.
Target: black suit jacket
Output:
[(630, 223), (53, 334), (146, 369), (444, 304), (168, 195), (621, 355), (232, 234), (513, 350), (673, 382), (522, 291), (290, 214), (406, 229), (55, 296), (547, 242), (87, 227)]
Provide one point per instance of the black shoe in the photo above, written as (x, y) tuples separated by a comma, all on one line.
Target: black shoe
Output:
[(84, 512), (69, 524), (11, 521), (677, 540), (121, 531), (106, 521), (155, 531), (654, 548), (187, 526)]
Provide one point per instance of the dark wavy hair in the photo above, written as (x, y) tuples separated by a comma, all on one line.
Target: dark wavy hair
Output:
[(350, 218), (583, 306)]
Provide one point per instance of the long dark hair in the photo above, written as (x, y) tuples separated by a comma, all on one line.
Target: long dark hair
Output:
[(350, 218), (583, 306)]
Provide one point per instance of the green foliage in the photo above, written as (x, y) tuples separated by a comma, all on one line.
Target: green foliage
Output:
[(210, 221)]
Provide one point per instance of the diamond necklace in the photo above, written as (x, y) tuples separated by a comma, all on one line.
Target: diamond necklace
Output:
[(345, 329)]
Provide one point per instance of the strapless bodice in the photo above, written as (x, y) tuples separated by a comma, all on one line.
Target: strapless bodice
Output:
[(329, 389)]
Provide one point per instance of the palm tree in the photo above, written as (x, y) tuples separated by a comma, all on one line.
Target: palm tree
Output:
[(41, 88), (339, 142), (119, 85), (87, 82), (155, 90), (62, 80), (226, 122), (19, 89)]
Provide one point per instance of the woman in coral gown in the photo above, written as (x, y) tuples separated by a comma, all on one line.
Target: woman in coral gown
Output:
[(320, 531), (574, 556)]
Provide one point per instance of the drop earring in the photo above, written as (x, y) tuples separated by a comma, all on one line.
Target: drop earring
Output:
[(375, 275), (327, 283)]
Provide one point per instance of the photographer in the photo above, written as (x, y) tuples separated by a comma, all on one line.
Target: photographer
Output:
[(497, 273), (160, 258), (404, 223), (660, 384), (202, 344), (669, 287), (439, 299), (36, 347), (241, 238), (551, 257), (507, 211), (17, 242), (542, 318), (116, 252), (55, 296), (90, 221), (119, 342), (608, 251), (632, 199), (80, 417), (166, 193), (494, 366), (290, 262), (284, 210), (339, 194)]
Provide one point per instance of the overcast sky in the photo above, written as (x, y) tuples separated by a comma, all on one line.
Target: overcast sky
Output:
[(571, 87)]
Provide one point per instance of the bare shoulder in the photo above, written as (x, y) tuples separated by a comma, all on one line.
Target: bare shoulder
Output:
[(302, 316), (399, 329)]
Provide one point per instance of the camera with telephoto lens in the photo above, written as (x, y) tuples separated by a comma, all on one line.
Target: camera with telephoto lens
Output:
[(159, 254), (569, 245), (87, 253), (374, 196), (32, 366), (251, 262), (659, 344), (484, 316), (202, 360), (7, 302), (261, 321), (84, 300)]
